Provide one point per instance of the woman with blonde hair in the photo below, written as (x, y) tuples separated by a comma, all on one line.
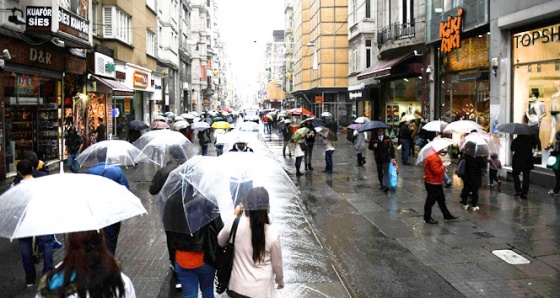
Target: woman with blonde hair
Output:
[(88, 270), (257, 261)]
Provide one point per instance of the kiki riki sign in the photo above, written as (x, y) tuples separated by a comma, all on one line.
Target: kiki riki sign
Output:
[(450, 32)]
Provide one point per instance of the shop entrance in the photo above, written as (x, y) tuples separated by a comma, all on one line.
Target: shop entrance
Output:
[(467, 98)]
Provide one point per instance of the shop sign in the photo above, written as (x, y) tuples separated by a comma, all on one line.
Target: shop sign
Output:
[(38, 18), (541, 35), (140, 79), (40, 56), (104, 65), (24, 84), (450, 32), (355, 95), (75, 25), (318, 99), (127, 105)]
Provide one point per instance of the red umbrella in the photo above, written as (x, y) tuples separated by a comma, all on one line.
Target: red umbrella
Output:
[(300, 111)]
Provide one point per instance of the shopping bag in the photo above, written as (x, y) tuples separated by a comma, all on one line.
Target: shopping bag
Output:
[(393, 175)]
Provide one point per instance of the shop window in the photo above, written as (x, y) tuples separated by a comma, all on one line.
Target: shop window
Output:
[(402, 99), (536, 81)]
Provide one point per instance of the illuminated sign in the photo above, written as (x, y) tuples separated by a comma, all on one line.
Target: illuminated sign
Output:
[(541, 35), (140, 79), (38, 18), (450, 32)]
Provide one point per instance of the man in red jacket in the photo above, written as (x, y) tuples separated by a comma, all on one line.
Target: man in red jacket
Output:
[(433, 180)]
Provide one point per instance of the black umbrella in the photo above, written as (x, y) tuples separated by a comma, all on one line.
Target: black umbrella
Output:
[(372, 125), (517, 128), (137, 125)]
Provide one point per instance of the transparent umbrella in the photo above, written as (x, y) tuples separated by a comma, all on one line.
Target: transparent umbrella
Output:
[(433, 147), (248, 126), (160, 146), (436, 125), (362, 120), (57, 204), (113, 152), (480, 144), (463, 126), (180, 125)]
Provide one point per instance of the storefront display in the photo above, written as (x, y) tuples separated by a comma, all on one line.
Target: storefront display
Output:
[(536, 81), (402, 99), (465, 85), (96, 108)]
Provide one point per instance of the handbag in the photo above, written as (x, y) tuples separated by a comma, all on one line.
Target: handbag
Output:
[(393, 175), (224, 267)]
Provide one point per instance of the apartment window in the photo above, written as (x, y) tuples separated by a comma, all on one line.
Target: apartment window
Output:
[(368, 53), (150, 43), (368, 9), (354, 59), (94, 17), (116, 24), (354, 11), (407, 11)]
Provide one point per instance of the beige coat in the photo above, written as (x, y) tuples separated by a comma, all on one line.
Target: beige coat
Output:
[(248, 278)]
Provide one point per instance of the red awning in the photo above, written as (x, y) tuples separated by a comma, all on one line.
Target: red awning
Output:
[(382, 68), (119, 89)]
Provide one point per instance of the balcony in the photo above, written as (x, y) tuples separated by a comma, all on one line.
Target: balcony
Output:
[(396, 31)]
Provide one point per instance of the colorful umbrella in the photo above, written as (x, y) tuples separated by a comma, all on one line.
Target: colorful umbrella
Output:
[(221, 125), (300, 111)]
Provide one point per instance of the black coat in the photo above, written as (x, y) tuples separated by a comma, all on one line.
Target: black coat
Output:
[(522, 148), (384, 151), (473, 170), (161, 176)]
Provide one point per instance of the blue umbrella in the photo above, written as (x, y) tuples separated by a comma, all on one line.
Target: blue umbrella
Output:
[(372, 125)]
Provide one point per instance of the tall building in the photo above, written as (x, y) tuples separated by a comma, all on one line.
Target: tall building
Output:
[(321, 71)]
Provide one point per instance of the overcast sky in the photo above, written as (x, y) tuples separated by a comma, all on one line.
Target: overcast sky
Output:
[(245, 27)]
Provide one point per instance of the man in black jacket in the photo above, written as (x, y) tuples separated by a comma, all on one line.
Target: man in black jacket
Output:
[(383, 152)]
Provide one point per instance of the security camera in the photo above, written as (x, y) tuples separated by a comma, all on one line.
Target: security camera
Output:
[(6, 54)]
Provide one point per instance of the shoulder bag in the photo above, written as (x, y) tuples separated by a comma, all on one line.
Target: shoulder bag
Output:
[(223, 272)]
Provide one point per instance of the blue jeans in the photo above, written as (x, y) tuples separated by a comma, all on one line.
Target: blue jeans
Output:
[(73, 165), (204, 149), (219, 150), (190, 280), (405, 150), (328, 160), (26, 248)]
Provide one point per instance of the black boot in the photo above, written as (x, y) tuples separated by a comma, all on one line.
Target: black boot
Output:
[(306, 167), (298, 173), (310, 167)]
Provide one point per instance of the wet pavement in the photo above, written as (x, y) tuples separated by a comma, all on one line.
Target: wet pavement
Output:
[(344, 238)]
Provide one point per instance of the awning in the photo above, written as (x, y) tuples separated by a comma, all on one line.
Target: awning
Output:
[(119, 89), (382, 68)]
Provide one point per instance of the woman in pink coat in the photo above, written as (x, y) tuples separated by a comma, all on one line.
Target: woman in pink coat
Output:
[(257, 261)]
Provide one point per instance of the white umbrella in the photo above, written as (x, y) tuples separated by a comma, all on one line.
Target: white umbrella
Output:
[(480, 144), (116, 152), (162, 145), (436, 125), (433, 147), (201, 125), (409, 117), (178, 118), (65, 203), (463, 126), (248, 126), (180, 125), (326, 114), (361, 120)]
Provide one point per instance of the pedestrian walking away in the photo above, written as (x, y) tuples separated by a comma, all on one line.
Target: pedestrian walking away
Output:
[(74, 145), (88, 269), (383, 153), (328, 142), (360, 145), (204, 139), (405, 137), (45, 243), (298, 147), (105, 169), (494, 165), (522, 163), (257, 261), (472, 179), (309, 143), (158, 181), (433, 181), (287, 135)]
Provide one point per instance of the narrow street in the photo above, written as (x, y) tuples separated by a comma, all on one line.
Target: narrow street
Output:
[(344, 238)]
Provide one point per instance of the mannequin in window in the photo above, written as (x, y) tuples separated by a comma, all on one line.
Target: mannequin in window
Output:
[(535, 113), (410, 110), (554, 113)]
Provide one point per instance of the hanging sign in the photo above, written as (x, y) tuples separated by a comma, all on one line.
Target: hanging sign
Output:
[(450, 32)]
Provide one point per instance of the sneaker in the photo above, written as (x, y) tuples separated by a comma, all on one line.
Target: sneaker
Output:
[(466, 207), (491, 185), (178, 285), (475, 208)]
